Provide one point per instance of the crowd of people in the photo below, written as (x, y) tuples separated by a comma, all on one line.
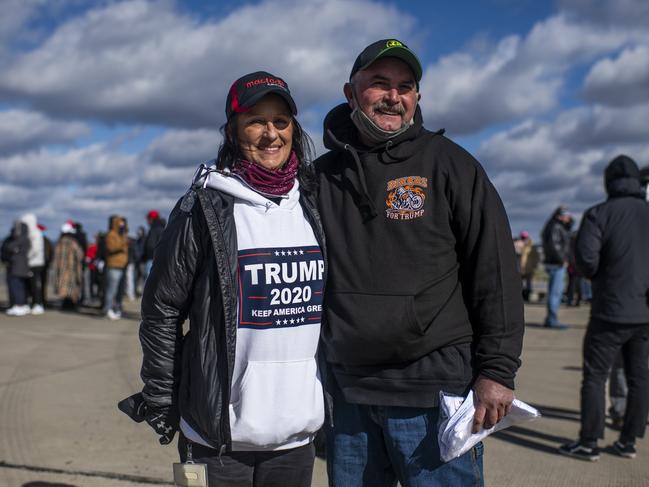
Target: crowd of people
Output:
[(96, 274), (566, 284)]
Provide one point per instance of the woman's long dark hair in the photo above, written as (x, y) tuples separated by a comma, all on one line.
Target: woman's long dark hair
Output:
[(230, 152)]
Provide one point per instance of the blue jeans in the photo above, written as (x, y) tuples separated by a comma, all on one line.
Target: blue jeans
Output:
[(556, 276), (17, 290), (374, 446), (586, 289), (113, 298)]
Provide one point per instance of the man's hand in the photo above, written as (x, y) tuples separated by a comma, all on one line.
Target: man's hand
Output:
[(492, 402)]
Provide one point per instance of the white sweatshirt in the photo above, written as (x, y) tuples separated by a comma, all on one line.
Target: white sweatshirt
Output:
[(36, 254), (276, 396)]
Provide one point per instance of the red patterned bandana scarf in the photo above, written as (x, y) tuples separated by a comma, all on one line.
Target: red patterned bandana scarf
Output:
[(265, 181)]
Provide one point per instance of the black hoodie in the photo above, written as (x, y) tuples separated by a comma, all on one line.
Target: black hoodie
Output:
[(423, 292), (612, 247)]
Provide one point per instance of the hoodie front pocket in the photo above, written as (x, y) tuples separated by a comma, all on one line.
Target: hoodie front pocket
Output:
[(372, 329), (278, 403)]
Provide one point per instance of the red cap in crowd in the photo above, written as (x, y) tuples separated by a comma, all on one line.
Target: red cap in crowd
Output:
[(153, 215)]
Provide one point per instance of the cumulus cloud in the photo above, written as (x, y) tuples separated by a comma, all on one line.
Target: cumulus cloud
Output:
[(184, 147), (86, 184), (16, 16), (620, 81), (45, 168), (22, 130), (176, 179), (465, 92), (618, 12), (152, 66), (16, 198), (597, 126), (144, 61), (537, 165), (517, 77)]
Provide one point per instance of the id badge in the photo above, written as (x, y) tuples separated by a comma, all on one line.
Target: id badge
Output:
[(190, 474)]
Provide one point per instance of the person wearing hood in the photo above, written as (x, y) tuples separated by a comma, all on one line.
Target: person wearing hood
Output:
[(423, 293), (617, 387), (15, 254), (67, 265), (36, 258), (611, 250), (528, 259), (243, 258), (116, 262)]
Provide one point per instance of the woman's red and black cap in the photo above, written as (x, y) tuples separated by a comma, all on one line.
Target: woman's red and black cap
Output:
[(249, 89), (387, 48)]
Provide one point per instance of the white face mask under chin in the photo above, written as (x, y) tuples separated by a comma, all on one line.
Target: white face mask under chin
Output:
[(369, 131)]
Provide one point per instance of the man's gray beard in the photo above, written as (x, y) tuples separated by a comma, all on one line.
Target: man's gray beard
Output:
[(372, 133)]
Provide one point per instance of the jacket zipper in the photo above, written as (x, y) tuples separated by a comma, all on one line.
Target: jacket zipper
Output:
[(220, 250)]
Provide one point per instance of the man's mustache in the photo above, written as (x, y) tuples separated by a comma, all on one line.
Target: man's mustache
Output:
[(397, 109)]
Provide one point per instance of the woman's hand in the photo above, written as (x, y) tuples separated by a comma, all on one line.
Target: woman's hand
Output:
[(164, 421)]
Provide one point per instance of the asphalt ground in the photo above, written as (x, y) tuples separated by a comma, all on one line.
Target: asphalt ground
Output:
[(62, 374)]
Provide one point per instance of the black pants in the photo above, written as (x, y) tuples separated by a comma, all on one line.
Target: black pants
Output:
[(602, 343), (282, 468), (36, 285)]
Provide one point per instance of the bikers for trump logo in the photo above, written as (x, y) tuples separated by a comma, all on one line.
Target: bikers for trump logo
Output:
[(280, 287), (406, 198)]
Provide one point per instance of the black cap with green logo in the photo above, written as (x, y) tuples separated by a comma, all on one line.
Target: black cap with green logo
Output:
[(387, 48)]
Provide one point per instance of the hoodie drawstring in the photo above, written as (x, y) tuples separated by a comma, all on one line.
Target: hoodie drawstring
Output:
[(367, 201)]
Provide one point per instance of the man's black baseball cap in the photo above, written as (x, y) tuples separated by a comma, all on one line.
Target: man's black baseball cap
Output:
[(249, 89), (387, 48)]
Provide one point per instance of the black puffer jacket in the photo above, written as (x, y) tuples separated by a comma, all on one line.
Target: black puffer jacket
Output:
[(194, 276), (612, 247)]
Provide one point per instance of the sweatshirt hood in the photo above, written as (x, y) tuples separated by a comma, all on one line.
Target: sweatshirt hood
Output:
[(114, 221), (19, 229), (30, 220), (228, 183), (622, 178)]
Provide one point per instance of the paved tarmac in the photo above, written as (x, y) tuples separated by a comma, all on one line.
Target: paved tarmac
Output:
[(61, 375)]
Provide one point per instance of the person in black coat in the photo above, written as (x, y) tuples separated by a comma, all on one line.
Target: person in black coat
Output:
[(617, 386), (14, 253), (556, 251), (611, 250), (156, 227)]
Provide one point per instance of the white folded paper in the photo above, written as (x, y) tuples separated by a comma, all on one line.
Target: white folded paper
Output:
[(456, 421)]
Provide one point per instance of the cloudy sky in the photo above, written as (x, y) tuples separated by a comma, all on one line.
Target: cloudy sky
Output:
[(108, 106)]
